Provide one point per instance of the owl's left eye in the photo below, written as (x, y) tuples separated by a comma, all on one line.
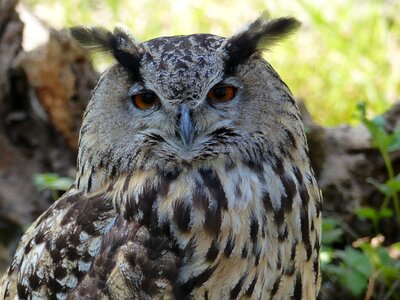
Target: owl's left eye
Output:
[(222, 93), (145, 100)]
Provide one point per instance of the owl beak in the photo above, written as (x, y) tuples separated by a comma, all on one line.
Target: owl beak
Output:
[(186, 129)]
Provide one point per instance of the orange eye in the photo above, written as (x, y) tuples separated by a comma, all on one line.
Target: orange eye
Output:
[(222, 93), (145, 100)]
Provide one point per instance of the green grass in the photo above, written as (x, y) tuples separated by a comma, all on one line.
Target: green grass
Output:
[(346, 51)]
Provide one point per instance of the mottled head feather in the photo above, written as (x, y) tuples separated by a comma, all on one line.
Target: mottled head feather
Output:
[(118, 43), (259, 35)]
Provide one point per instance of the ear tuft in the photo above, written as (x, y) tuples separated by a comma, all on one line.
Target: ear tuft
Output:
[(259, 35), (96, 39), (118, 43)]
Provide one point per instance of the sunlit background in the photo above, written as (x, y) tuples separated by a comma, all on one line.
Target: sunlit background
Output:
[(345, 52)]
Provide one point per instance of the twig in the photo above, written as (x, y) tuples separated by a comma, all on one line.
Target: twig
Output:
[(371, 285)]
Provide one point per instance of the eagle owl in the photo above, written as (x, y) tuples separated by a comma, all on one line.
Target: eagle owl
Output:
[(193, 180)]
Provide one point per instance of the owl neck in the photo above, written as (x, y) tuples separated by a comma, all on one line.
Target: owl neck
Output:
[(194, 198), (197, 199)]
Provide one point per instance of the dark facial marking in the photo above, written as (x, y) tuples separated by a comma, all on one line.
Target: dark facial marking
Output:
[(245, 251), (304, 195), (213, 216), (279, 217), (144, 204), (305, 230), (250, 289), (318, 206), (297, 294), (54, 287), (34, 281), (236, 290), (278, 168), (266, 200), (214, 186), (258, 254), (166, 180), (282, 236), (290, 138), (213, 220), (254, 226), (200, 198), (198, 280), (206, 295), (182, 216), (230, 244), (290, 190), (213, 251), (279, 260), (90, 179), (293, 251), (275, 287), (316, 268)]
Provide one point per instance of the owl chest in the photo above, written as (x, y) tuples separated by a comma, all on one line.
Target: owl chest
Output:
[(230, 265), (237, 236), (223, 235)]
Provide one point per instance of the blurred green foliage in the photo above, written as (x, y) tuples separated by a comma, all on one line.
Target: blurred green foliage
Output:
[(53, 182), (346, 51), (386, 142), (366, 268)]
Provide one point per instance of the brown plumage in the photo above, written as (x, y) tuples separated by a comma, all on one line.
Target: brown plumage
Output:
[(193, 180)]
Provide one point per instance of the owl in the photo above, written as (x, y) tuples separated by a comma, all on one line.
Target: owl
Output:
[(193, 179)]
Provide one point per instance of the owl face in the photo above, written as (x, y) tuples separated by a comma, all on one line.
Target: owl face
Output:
[(183, 101)]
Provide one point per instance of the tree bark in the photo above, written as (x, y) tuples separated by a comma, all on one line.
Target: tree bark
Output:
[(42, 97)]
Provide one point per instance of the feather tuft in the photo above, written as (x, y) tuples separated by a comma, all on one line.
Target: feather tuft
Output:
[(119, 44), (259, 35)]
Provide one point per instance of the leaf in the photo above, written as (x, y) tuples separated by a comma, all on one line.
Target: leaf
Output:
[(357, 261), (52, 181), (395, 143), (381, 139), (367, 213), (382, 187), (355, 282), (385, 213), (333, 235), (393, 184), (353, 272), (329, 223), (383, 257), (379, 121), (331, 231)]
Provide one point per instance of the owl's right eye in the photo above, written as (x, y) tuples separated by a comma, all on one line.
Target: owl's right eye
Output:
[(145, 100)]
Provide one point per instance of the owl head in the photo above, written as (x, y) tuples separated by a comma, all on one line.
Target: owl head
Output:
[(184, 101)]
